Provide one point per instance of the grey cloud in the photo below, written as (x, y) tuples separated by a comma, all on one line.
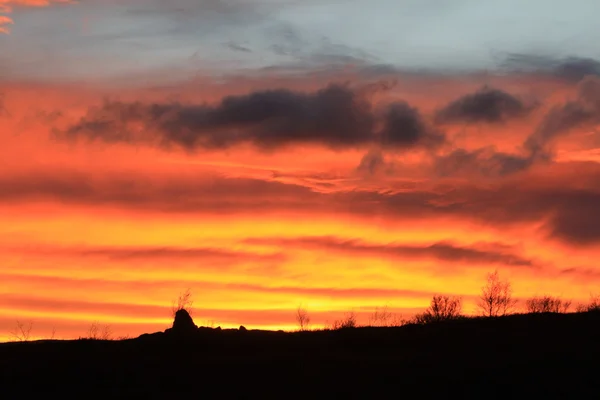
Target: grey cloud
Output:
[(335, 116), (373, 162), (485, 161), (486, 105), (578, 219), (571, 69), (404, 127)]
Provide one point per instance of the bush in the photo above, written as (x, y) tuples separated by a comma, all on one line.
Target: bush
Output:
[(592, 306)]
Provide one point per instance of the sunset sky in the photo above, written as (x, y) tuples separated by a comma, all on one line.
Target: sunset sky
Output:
[(341, 155)]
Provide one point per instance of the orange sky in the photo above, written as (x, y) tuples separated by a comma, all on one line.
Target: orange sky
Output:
[(268, 191), (112, 232)]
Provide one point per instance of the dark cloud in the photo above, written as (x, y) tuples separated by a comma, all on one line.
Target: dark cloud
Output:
[(132, 253), (572, 69), (564, 197), (440, 251), (238, 47), (577, 219), (335, 116), (567, 205), (581, 112), (176, 194), (485, 161), (373, 163), (486, 105), (404, 127), (575, 69)]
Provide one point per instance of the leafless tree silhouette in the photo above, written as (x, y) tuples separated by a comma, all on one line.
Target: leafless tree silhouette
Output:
[(183, 302), (442, 308), (209, 323), (98, 332), (380, 317), (496, 297), (544, 304), (302, 319), (383, 317), (349, 321), (21, 331)]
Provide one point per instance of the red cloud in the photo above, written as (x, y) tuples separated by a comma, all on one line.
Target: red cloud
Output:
[(6, 6)]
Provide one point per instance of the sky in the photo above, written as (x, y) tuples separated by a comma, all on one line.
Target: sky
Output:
[(336, 155)]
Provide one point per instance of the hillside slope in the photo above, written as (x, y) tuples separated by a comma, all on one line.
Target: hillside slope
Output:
[(546, 355)]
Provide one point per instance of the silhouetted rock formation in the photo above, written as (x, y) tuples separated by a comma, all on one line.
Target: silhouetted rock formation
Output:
[(243, 328), (183, 324)]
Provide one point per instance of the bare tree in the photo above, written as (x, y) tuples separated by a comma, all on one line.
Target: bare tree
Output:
[(349, 321), (380, 317), (383, 317), (21, 331), (302, 319), (209, 323), (398, 320), (442, 308), (496, 297), (98, 332), (544, 304), (183, 302)]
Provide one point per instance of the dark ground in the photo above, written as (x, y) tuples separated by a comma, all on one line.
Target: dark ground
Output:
[(521, 356)]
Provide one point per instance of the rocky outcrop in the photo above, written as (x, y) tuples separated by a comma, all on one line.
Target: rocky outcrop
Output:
[(183, 324)]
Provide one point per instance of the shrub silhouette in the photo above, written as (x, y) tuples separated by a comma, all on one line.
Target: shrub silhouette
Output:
[(442, 308), (545, 304), (496, 297), (592, 306)]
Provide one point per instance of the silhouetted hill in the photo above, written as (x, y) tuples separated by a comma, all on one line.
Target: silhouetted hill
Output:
[(520, 356)]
